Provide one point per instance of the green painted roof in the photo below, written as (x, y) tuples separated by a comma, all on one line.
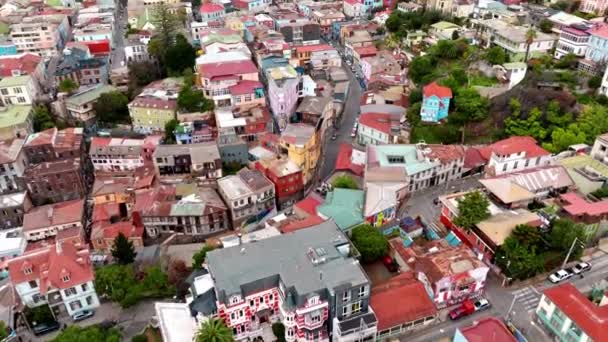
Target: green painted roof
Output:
[(14, 81), (14, 115), (89, 95), (411, 163), (584, 160), (443, 25), (4, 28), (54, 3), (344, 206)]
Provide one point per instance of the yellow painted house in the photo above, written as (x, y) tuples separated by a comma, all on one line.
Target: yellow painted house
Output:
[(302, 143), (235, 23), (155, 106)]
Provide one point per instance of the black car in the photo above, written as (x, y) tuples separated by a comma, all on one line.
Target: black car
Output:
[(45, 328)]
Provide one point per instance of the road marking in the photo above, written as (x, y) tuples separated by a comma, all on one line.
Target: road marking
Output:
[(535, 290)]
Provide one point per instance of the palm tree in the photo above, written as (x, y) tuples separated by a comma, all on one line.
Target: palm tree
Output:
[(214, 330), (530, 35)]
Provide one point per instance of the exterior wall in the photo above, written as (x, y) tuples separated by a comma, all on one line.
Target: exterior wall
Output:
[(597, 50), (323, 60), (211, 16), (600, 149), (12, 217), (594, 6), (84, 299), (517, 50), (554, 320), (603, 90), (368, 135), (45, 232), (20, 95), (353, 10), (446, 293), (110, 163), (8, 49), (136, 53), (306, 157), (11, 174), (238, 152), (283, 100), (436, 176), (469, 237), (200, 225), (571, 43), (434, 109), (56, 187), (515, 162)]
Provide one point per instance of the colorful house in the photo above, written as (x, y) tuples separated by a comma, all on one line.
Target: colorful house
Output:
[(435, 102)]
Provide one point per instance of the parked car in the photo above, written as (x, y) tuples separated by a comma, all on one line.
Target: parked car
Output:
[(481, 304), (581, 267), (463, 310), (44, 328), (559, 276), (353, 133), (390, 263), (79, 316)]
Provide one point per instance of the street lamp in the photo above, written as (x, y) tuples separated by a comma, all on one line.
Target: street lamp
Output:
[(582, 245)]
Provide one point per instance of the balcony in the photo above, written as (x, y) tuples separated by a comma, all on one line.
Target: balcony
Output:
[(355, 328)]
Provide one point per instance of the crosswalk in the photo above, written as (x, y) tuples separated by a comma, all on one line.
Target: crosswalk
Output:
[(528, 297)]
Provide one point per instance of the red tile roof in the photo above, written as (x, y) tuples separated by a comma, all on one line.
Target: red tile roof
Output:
[(437, 90), (366, 51), (515, 145), (473, 158), (104, 212), (592, 319), (600, 30), (25, 64), (577, 205), (111, 231), (378, 121), (309, 205), (344, 161), (400, 300), (154, 102), (210, 7), (213, 70), (314, 48), (98, 47), (50, 265), (308, 222), (53, 214), (489, 329), (245, 87), (352, 2)]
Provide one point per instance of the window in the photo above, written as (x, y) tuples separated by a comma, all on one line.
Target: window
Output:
[(70, 291), (515, 165), (232, 316), (270, 297), (28, 270), (355, 308), (89, 300), (362, 291), (84, 287), (66, 278), (36, 298), (251, 303), (504, 167), (345, 310), (75, 305), (33, 284)]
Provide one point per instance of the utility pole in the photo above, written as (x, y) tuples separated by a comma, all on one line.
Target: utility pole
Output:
[(570, 251)]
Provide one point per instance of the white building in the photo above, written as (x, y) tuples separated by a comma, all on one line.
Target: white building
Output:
[(60, 276), (572, 41), (12, 165), (353, 9), (603, 90), (600, 148), (116, 154), (18, 90), (136, 50), (12, 245), (175, 321), (516, 154)]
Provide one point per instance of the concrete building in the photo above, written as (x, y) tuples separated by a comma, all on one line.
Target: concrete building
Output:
[(513, 39), (287, 179), (80, 105), (12, 165), (18, 90), (377, 128), (218, 77), (136, 50), (599, 151), (490, 326), (48, 220), (233, 149), (593, 6), (16, 122), (572, 40), (514, 154), (12, 208), (300, 32), (155, 106), (302, 144), (283, 93), (306, 280), (59, 275), (42, 34), (597, 49), (116, 155), (24, 64), (211, 11), (249, 195), (201, 161)]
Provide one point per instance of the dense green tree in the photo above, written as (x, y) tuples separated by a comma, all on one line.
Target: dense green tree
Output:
[(517, 261), (170, 127), (563, 233), (595, 82), (112, 107), (545, 25), (345, 182), (420, 67), (446, 49), (195, 3), (568, 61), (42, 118), (600, 193), (123, 250), (455, 35), (369, 242), (166, 23), (469, 106), (214, 330), (278, 329), (527, 235), (75, 333), (120, 284), (4, 330), (562, 138), (67, 86), (198, 259), (190, 100), (555, 117), (179, 56), (495, 55), (472, 209), (141, 74), (415, 96), (530, 126)]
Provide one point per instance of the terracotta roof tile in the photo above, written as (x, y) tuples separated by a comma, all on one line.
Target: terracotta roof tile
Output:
[(437, 90)]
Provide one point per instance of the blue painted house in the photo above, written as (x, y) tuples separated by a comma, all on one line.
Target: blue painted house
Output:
[(435, 102), (7, 48)]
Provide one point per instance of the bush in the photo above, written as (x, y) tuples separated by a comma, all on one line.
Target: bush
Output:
[(139, 338), (369, 242), (278, 329), (345, 182)]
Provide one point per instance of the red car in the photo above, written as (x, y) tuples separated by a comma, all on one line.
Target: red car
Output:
[(390, 263), (463, 310)]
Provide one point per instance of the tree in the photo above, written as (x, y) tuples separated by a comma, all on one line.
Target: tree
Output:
[(123, 250), (446, 49), (76, 333), (369, 242), (142, 73), (179, 56), (517, 261), (67, 86), (170, 127), (531, 126), (563, 233), (345, 182), (421, 67), (562, 138), (530, 36), (166, 24), (4, 330), (195, 3), (495, 56), (568, 61), (469, 106), (595, 82), (472, 209), (112, 107), (278, 329), (214, 330), (193, 100), (120, 284), (198, 259), (42, 118), (455, 35), (545, 25), (526, 235)]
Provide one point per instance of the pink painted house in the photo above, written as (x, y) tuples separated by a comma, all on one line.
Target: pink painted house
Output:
[(218, 77)]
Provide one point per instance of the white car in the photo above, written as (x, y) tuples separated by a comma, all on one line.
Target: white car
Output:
[(481, 304), (559, 276), (581, 267)]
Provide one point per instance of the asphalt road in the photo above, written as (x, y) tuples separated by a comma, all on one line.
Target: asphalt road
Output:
[(120, 20), (351, 108)]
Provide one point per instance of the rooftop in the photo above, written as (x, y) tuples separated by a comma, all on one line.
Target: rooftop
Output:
[(176, 321), (398, 156), (350, 159), (298, 133), (498, 227), (15, 81), (515, 145), (280, 167), (402, 299), (88, 95), (344, 206), (380, 196), (490, 329), (576, 205), (199, 153), (377, 121), (53, 215), (434, 89), (306, 261), (313, 105), (24, 63), (8, 201), (590, 318), (10, 149), (14, 115)]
